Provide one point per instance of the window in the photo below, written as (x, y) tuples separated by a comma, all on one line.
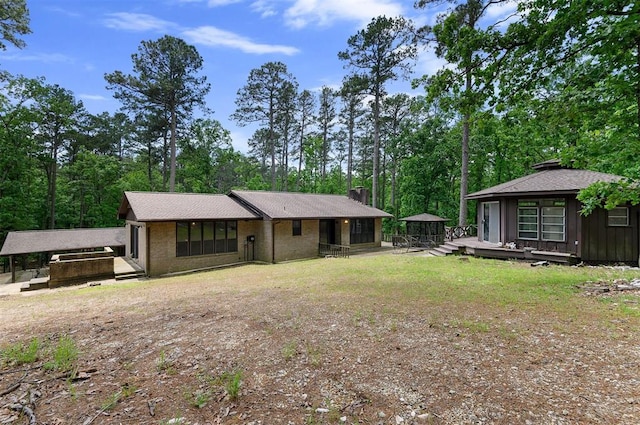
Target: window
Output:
[(553, 224), (542, 219), (527, 222), (297, 227), (619, 216), (209, 237), (362, 230)]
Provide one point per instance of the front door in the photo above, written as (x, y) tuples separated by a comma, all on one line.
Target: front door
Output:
[(327, 232), (491, 222)]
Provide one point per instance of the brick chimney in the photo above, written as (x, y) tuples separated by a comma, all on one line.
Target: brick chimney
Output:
[(359, 194)]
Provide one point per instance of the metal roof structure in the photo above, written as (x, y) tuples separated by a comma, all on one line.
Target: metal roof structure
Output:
[(30, 241)]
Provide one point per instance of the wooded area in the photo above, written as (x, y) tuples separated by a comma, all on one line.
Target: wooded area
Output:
[(555, 80)]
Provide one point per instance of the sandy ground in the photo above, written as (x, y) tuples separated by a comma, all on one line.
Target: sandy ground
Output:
[(165, 352)]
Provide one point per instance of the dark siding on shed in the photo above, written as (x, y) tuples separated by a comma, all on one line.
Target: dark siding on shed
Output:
[(607, 244), (571, 227)]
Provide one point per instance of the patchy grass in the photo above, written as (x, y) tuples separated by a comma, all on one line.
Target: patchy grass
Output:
[(334, 341)]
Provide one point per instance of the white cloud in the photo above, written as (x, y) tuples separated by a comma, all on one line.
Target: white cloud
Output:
[(212, 36), (429, 64), (85, 96), (264, 7), (324, 12), (37, 57), (506, 12), (216, 3), (137, 22)]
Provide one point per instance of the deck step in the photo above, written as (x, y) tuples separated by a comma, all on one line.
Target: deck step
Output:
[(130, 275), (35, 284)]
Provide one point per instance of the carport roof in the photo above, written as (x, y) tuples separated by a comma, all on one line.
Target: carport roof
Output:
[(30, 241)]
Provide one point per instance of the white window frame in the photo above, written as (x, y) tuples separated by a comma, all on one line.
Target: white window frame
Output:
[(520, 223), (544, 232), (611, 214)]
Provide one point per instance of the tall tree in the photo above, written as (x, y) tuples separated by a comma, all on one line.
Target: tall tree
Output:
[(326, 121), (306, 109), (474, 54), (56, 117), (261, 101), (14, 22), (166, 78), (20, 177), (396, 111), (350, 114), (380, 53)]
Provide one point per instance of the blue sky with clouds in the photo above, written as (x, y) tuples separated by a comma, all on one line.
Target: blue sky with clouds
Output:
[(75, 42)]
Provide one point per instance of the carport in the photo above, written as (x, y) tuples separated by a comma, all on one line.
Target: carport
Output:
[(65, 240)]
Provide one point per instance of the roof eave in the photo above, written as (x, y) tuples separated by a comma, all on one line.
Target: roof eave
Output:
[(474, 197)]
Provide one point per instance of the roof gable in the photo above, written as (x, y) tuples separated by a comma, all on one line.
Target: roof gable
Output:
[(293, 205), (561, 181)]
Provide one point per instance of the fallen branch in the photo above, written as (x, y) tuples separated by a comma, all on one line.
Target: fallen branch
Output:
[(13, 387), (10, 389), (26, 410), (8, 372)]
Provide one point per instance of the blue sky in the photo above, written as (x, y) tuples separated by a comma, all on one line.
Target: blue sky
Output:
[(75, 42)]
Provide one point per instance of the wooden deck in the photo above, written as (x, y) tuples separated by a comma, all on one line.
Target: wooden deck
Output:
[(472, 246)]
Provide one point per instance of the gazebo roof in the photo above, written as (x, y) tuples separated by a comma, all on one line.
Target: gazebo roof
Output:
[(429, 218)]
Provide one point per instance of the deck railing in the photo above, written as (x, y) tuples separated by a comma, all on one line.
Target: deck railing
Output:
[(333, 250), (457, 232)]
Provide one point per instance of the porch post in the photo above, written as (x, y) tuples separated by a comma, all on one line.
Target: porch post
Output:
[(13, 269)]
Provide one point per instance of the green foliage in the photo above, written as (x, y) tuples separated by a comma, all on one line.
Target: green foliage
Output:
[(232, 383), (65, 354), (165, 80), (198, 398), (164, 364), (14, 21), (113, 399), (20, 353), (609, 195)]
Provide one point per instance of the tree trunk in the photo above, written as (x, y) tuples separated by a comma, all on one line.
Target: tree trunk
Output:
[(52, 186), (376, 150), (350, 158), (172, 147), (464, 172)]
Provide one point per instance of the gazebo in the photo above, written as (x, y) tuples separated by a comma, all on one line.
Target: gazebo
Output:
[(426, 229)]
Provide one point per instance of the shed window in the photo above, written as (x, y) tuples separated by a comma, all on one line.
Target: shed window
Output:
[(552, 223), (619, 216), (542, 219), (209, 237), (297, 227), (527, 223)]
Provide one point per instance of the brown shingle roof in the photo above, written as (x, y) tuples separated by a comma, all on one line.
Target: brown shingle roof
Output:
[(424, 217), (162, 206), (292, 205), (28, 241), (562, 181)]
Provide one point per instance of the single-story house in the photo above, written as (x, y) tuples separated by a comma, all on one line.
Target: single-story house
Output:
[(540, 211), (175, 232)]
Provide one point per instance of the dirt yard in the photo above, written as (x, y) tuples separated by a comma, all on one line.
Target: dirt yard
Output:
[(240, 346)]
